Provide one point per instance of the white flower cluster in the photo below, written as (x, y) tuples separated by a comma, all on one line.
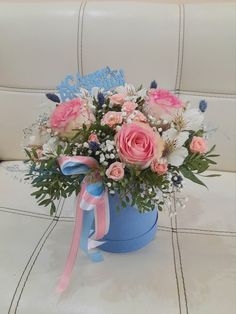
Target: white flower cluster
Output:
[(131, 92), (107, 151)]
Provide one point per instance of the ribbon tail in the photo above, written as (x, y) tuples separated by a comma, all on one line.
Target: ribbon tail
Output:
[(102, 218), (65, 277), (88, 219)]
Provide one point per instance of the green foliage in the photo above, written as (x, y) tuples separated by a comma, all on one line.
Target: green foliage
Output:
[(51, 184), (196, 164), (138, 187)]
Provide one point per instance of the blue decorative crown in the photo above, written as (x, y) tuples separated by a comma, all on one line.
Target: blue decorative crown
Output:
[(105, 78)]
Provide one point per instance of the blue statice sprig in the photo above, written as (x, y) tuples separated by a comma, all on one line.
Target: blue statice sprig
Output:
[(101, 100), (153, 84), (53, 97), (177, 180), (94, 146), (203, 105)]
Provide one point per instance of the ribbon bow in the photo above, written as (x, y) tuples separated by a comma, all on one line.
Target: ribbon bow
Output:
[(92, 208)]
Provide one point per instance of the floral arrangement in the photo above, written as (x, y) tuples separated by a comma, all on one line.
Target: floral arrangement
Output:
[(143, 140)]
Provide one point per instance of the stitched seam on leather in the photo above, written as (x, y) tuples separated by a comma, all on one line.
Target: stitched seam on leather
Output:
[(182, 46), (78, 38), (22, 89), (175, 267), (208, 94), (180, 257), (23, 211), (23, 214), (81, 38), (194, 93), (179, 47), (46, 233), (206, 230), (36, 257)]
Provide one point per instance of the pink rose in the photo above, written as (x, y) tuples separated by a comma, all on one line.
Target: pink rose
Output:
[(137, 144), (159, 168), (111, 118), (161, 101), (115, 171), (117, 99), (129, 106), (198, 145), (69, 116), (137, 116), (93, 138)]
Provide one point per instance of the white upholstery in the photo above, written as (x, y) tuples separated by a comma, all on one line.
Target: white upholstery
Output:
[(198, 256), (209, 48), (189, 48)]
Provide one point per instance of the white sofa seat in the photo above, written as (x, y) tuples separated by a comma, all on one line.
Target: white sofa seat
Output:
[(189, 266), (188, 48)]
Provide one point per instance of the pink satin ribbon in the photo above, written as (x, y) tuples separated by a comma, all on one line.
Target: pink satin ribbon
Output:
[(85, 201)]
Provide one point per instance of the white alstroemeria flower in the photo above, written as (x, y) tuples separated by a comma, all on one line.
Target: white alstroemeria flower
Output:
[(130, 92), (83, 93), (174, 150), (142, 93), (91, 106), (50, 147), (190, 119)]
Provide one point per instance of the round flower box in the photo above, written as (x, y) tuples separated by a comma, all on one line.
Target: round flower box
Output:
[(129, 229)]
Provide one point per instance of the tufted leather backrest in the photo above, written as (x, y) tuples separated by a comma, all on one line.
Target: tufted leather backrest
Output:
[(187, 48)]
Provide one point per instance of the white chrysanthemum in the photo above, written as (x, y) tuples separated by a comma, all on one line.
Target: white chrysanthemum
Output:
[(174, 150)]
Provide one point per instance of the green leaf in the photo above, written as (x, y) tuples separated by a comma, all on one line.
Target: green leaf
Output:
[(211, 175), (213, 155), (34, 153), (211, 161), (52, 209), (203, 166), (123, 204), (211, 150), (190, 175), (27, 153), (45, 202)]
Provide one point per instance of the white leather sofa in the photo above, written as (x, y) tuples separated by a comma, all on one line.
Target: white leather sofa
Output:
[(189, 48)]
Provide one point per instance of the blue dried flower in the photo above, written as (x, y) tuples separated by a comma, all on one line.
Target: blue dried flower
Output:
[(153, 84), (53, 97), (177, 180), (202, 105), (101, 99), (94, 146)]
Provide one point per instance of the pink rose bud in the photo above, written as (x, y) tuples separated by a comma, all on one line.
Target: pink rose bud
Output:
[(198, 145), (129, 106), (117, 99), (112, 118), (93, 138), (115, 171), (159, 168), (139, 117)]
